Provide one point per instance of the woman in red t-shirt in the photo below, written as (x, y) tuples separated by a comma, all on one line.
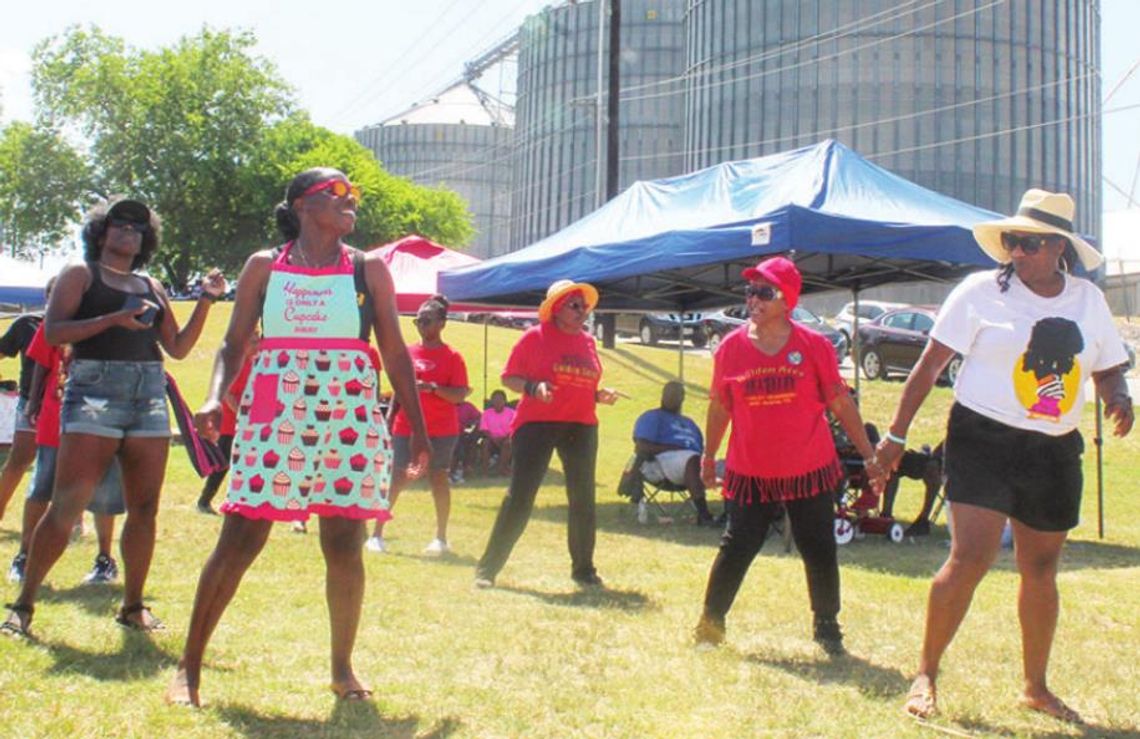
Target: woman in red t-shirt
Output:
[(555, 367), (774, 380), (441, 378)]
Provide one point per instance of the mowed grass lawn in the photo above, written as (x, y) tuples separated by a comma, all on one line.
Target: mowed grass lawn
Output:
[(535, 657)]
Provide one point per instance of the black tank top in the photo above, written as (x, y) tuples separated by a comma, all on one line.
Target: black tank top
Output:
[(116, 343)]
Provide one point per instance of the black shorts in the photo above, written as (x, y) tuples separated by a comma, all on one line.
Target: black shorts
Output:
[(1031, 477)]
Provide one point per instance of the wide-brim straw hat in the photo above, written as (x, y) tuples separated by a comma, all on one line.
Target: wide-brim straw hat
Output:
[(562, 288), (1040, 212)]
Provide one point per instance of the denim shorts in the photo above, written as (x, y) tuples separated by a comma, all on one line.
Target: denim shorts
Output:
[(441, 450), (22, 420), (108, 496), (115, 399)]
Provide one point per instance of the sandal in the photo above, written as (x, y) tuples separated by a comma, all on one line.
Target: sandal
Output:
[(146, 621), (358, 694), (922, 700), (19, 619), (1055, 708)]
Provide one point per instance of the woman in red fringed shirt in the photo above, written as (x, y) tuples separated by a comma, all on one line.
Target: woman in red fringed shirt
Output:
[(774, 380)]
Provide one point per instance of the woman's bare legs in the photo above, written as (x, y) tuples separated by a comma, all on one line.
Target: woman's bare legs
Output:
[(341, 540), (1038, 604), (239, 543), (974, 546)]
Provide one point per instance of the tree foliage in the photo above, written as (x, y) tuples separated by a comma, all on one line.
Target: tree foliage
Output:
[(43, 183), (209, 135)]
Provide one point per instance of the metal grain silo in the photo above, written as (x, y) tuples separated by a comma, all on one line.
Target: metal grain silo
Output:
[(454, 140), (555, 161), (974, 98)]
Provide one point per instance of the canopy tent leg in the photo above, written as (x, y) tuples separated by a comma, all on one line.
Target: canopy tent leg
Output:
[(486, 320), (855, 336), (681, 357), (1099, 442)]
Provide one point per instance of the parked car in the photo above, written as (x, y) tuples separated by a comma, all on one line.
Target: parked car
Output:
[(893, 342), (653, 327), (869, 310), (717, 325)]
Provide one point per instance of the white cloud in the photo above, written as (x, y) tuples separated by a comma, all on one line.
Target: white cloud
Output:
[(15, 88)]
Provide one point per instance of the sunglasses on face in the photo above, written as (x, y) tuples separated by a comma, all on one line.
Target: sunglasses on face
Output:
[(124, 224), (1029, 244), (762, 292), (335, 188)]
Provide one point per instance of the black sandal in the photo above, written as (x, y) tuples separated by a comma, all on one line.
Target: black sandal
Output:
[(123, 618), (18, 620)]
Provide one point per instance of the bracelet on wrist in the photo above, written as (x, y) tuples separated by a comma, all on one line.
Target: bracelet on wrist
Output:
[(900, 440), (530, 387)]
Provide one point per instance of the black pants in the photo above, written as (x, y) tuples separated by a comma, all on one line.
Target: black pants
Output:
[(214, 481), (533, 444), (812, 521)]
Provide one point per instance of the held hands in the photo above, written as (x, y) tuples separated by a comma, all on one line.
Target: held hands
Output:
[(208, 420), (1120, 410), (877, 474), (889, 453)]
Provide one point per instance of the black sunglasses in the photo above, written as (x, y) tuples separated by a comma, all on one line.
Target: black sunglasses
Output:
[(762, 292), (1029, 244), (126, 225)]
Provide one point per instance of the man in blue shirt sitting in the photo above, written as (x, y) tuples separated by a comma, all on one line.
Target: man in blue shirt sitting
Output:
[(669, 447)]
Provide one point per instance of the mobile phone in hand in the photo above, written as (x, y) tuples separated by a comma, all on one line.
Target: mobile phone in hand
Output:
[(134, 302)]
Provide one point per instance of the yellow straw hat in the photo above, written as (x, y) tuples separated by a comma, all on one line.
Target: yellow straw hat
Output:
[(1040, 212), (562, 288)]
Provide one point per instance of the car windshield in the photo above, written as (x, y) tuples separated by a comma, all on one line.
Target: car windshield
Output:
[(803, 315)]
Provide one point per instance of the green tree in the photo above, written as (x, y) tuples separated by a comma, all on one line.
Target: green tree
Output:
[(173, 127), (391, 207), (43, 182)]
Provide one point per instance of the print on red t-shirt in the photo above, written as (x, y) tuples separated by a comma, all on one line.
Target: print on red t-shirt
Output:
[(569, 362), (444, 366)]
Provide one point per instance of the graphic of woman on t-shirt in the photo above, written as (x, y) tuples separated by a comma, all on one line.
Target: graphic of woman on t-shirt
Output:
[(1054, 344)]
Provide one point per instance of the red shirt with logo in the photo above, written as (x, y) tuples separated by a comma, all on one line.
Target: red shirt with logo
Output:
[(443, 366), (777, 403), (569, 362)]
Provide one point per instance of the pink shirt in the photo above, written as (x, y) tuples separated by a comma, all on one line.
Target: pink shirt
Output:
[(497, 423)]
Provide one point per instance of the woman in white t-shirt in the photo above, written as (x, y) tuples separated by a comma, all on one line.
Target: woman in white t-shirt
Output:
[(1031, 335)]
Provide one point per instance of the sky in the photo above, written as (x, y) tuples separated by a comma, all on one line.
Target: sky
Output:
[(349, 62)]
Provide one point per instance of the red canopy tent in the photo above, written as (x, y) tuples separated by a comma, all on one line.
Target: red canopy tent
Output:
[(414, 263)]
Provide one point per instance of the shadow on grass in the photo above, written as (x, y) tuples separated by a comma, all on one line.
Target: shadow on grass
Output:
[(138, 658), (348, 718), (98, 600), (871, 680), (620, 517), (451, 559), (634, 364), (618, 600)]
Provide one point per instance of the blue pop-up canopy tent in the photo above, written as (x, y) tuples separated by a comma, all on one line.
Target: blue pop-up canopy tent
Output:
[(680, 243)]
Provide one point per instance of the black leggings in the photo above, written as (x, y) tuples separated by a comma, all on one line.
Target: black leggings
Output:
[(812, 520), (532, 445)]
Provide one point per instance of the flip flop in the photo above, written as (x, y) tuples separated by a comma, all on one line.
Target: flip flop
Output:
[(922, 700), (356, 694), (1055, 708), (17, 622), (123, 618)]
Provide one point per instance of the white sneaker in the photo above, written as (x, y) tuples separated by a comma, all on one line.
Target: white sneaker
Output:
[(376, 544), (437, 548)]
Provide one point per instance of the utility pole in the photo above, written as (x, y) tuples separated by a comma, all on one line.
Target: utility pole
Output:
[(609, 334)]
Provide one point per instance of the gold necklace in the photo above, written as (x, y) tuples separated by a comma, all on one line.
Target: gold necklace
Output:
[(109, 268), (308, 263)]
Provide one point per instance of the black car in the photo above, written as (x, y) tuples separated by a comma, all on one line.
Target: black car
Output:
[(717, 325), (651, 328), (893, 342)]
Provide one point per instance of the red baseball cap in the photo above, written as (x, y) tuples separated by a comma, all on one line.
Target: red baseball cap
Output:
[(781, 272)]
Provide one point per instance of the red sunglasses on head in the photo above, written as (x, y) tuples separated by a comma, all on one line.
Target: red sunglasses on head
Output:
[(336, 188)]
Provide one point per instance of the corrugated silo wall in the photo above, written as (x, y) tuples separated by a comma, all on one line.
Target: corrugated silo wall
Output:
[(472, 160), (555, 162), (977, 99)]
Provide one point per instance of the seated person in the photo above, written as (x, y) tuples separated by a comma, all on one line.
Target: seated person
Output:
[(669, 447), (465, 444), (496, 431)]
